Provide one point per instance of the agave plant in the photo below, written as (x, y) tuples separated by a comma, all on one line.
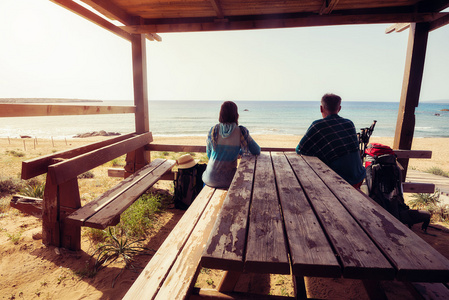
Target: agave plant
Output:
[(33, 189), (117, 248), (422, 200)]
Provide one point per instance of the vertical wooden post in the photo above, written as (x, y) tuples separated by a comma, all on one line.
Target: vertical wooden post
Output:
[(50, 214), (139, 158), (411, 87), (140, 82), (69, 200)]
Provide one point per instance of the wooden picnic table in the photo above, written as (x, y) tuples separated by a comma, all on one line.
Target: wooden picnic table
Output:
[(291, 214)]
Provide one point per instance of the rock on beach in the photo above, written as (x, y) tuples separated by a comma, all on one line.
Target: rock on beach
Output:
[(95, 133)]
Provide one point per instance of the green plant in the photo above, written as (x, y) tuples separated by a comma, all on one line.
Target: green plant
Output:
[(210, 281), (4, 205), (33, 189), (86, 175), (138, 218), (10, 185), (117, 162), (86, 271), (423, 200), (437, 171), (16, 153), (284, 292), (96, 235), (440, 212), (14, 237), (117, 248)]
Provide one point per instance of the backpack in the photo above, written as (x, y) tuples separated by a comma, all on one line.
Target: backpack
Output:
[(374, 150), (384, 182), (187, 184)]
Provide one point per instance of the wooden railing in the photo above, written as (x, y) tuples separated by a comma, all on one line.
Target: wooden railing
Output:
[(408, 187), (34, 110)]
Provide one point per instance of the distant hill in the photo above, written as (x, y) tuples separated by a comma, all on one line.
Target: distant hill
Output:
[(440, 101), (44, 100)]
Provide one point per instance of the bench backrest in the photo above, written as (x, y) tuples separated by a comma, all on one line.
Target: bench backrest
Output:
[(70, 168), (37, 166)]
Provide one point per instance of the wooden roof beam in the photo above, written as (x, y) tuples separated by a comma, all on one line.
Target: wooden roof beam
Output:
[(116, 13), (432, 6), (93, 17), (278, 21), (440, 22), (217, 7), (328, 6), (398, 27), (113, 12)]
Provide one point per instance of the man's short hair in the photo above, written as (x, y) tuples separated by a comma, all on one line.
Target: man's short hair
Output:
[(331, 102)]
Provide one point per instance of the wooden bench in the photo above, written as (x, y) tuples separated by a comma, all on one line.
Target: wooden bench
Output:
[(414, 187), (105, 210), (61, 196), (429, 291), (172, 271)]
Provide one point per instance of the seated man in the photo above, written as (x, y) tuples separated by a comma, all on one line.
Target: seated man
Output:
[(333, 139)]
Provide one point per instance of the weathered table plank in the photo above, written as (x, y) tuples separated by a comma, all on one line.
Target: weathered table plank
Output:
[(266, 244), (359, 256), (227, 242), (310, 251), (179, 280), (414, 259), (154, 274)]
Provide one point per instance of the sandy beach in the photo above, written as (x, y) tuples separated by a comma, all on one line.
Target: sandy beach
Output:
[(29, 270)]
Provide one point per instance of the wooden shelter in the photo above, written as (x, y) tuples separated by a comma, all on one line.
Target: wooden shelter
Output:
[(144, 19), (140, 20)]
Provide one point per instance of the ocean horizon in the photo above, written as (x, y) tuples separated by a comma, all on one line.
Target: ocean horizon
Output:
[(195, 118)]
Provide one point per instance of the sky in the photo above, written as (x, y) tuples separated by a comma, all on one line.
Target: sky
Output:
[(48, 52)]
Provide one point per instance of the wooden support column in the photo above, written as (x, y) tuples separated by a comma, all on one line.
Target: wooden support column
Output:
[(139, 158), (50, 214), (59, 201), (411, 87)]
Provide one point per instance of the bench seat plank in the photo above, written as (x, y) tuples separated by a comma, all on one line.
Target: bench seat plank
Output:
[(358, 255), (226, 246), (266, 250), (410, 255), (430, 291), (413, 153), (153, 275), (310, 251), (417, 187), (104, 211), (179, 281)]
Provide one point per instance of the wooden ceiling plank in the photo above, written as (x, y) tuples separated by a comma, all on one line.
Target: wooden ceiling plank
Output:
[(328, 6), (91, 16), (432, 6), (113, 12), (281, 22)]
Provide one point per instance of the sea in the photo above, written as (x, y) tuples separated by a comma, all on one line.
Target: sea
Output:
[(195, 118)]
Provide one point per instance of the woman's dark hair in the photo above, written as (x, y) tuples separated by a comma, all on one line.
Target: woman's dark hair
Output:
[(229, 113)]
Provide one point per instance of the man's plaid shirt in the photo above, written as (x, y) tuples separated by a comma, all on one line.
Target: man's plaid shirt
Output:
[(329, 139)]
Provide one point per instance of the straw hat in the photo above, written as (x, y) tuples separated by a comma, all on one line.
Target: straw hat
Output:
[(185, 161)]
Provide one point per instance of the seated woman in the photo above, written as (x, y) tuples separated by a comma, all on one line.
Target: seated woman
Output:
[(225, 142)]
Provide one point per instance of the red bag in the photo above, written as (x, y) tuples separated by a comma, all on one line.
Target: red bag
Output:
[(374, 150)]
